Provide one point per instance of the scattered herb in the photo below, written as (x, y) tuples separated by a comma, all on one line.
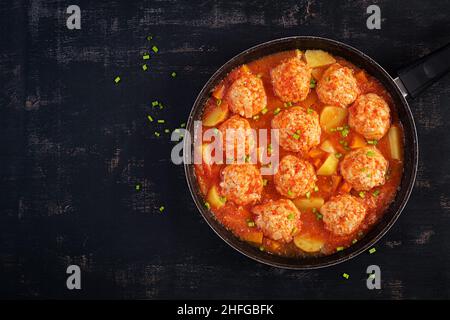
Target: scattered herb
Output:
[(362, 194), (316, 189), (166, 130), (144, 67), (265, 182), (149, 37), (251, 224), (291, 216), (355, 241), (310, 110), (290, 193), (149, 117), (146, 56), (264, 111), (295, 136), (173, 74), (219, 102), (308, 195), (138, 187), (117, 79), (370, 153), (161, 209), (157, 133), (338, 155), (155, 49), (346, 275), (376, 193), (287, 104), (277, 111), (312, 83), (207, 205), (372, 142), (372, 250), (183, 125), (319, 216), (339, 249), (261, 248), (161, 121), (155, 103)]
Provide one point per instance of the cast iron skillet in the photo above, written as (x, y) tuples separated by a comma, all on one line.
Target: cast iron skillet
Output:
[(411, 81)]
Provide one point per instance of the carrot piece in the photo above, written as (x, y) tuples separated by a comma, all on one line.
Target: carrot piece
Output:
[(219, 91), (315, 153), (317, 162), (335, 180), (357, 142), (345, 187), (253, 236)]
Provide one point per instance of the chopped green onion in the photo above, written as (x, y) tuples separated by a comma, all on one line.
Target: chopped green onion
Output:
[(290, 193), (294, 230), (370, 153), (144, 67), (157, 133), (166, 130), (264, 111), (312, 83), (346, 275), (161, 121), (183, 125), (345, 132), (138, 187), (319, 216), (338, 155), (223, 199), (207, 205), (316, 189), (277, 111), (149, 37), (339, 128), (295, 136), (117, 79), (155, 103), (339, 249), (290, 216), (362, 194), (287, 104), (247, 158), (265, 182), (308, 195), (372, 250), (216, 131), (354, 241), (251, 224), (372, 142), (150, 118), (173, 74), (376, 193), (310, 110), (155, 49), (219, 102), (146, 56), (161, 209), (261, 248)]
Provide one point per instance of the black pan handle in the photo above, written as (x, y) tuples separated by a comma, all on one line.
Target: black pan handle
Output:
[(424, 72)]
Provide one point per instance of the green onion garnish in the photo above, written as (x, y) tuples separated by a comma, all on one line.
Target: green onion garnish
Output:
[(310, 110), (308, 195), (117, 79), (183, 125), (261, 248), (150, 118), (138, 187), (295, 136), (319, 216), (370, 153), (345, 131), (144, 67), (146, 56), (376, 193), (207, 205), (372, 142), (219, 102), (372, 250), (155, 103), (290, 216), (338, 155), (155, 49), (346, 275), (149, 37), (157, 133), (312, 83), (362, 194), (265, 182), (354, 241), (277, 111), (173, 74), (166, 130), (161, 121), (316, 189), (339, 249), (264, 111), (161, 209), (251, 224)]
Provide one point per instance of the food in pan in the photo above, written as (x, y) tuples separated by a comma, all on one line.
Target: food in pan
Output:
[(339, 145)]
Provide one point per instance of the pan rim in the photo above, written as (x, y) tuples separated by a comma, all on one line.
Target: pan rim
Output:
[(408, 187)]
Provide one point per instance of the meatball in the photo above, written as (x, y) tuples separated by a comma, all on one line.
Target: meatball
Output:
[(246, 95), (241, 183), (370, 116), (337, 86), (299, 130), (278, 220), (236, 132), (291, 80), (343, 214), (364, 168), (295, 177)]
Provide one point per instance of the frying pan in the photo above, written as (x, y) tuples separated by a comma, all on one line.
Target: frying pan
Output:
[(410, 82)]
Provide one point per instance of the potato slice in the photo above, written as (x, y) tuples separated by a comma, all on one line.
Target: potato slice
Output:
[(329, 167), (308, 243), (304, 203), (318, 58), (395, 142), (327, 146), (215, 115), (332, 117), (214, 198), (358, 142), (253, 236)]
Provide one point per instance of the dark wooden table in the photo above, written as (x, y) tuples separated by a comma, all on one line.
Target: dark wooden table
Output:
[(74, 145)]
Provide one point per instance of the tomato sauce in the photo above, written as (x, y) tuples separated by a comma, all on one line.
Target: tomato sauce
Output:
[(238, 218)]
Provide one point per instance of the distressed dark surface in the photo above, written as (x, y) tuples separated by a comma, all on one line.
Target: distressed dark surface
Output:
[(74, 145)]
